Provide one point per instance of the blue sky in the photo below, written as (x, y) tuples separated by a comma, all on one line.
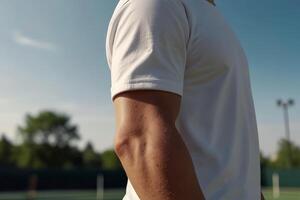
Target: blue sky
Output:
[(52, 56)]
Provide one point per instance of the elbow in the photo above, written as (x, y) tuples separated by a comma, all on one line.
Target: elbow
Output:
[(121, 145), (135, 144), (129, 145)]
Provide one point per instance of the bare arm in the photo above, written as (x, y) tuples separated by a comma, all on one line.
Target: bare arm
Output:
[(150, 148)]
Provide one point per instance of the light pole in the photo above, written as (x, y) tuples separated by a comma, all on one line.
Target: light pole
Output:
[(285, 105)]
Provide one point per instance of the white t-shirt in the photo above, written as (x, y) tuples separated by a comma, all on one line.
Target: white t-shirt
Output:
[(186, 47)]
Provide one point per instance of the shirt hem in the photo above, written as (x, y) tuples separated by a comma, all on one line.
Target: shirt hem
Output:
[(161, 85)]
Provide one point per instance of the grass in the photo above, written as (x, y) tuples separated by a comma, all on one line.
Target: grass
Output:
[(285, 194)]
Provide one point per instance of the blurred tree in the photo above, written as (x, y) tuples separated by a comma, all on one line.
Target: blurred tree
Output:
[(285, 150), (50, 128), (6, 151), (265, 161), (47, 142), (28, 156), (110, 160), (90, 157)]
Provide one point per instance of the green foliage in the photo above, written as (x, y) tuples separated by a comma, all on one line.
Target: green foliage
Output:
[(110, 160), (265, 161), (90, 157), (48, 128), (6, 152), (288, 155), (46, 156), (27, 156), (47, 141)]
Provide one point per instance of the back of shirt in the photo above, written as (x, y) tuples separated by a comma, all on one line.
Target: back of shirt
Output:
[(186, 47)]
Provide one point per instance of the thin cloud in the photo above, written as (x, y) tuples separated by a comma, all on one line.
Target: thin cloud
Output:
[(23, 40)]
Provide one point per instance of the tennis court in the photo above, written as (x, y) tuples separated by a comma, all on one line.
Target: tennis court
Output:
[(285, 194), (64, 195)]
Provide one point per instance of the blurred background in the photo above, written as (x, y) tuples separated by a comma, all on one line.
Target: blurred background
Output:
[(56, 116)]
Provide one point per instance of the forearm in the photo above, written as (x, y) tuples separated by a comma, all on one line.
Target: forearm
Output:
[(160, 167), (262, 196)]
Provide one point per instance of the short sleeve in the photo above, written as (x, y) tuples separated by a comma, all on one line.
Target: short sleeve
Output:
[(146, 46)]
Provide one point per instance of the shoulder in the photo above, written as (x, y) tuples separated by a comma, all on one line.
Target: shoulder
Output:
[(148, 22), (162, 14), (159, 15), (146, 7)]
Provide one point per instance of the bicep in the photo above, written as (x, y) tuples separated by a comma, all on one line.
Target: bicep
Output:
[(140, 109)]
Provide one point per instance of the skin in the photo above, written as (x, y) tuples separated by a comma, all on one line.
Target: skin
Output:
[(262, 196), (150, 148)]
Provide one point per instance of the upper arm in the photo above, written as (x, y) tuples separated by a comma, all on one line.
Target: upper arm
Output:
[(141, 110), (145, 117), (146, 51)]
